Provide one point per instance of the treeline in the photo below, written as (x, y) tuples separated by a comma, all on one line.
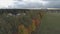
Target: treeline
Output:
[(13, 11)]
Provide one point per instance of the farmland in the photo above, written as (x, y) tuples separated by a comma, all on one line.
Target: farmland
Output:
[(50, 24)]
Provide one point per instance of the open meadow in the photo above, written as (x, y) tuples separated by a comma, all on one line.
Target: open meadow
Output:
[(50, 24)]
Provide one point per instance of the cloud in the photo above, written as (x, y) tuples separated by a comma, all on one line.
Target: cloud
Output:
[(29, 4), (5, 3), (51, 0), (32, 4), (53, 4)]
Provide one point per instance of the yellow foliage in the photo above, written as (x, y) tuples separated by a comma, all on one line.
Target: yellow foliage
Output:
[(33, 26)]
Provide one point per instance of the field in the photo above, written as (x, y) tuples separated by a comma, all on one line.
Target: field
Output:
[(29, 23), (50, 24)]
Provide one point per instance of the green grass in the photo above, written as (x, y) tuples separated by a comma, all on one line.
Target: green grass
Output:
[(50, 24)]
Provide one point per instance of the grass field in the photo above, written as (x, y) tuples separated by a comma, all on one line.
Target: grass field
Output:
[(50, 24)]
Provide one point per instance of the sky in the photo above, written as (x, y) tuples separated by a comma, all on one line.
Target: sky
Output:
[(29, 4)]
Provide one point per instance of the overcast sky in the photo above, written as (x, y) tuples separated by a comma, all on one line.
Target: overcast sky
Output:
[(29, 3)]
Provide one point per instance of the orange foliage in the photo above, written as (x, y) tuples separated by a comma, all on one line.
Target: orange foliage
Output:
[(30, 29), (33, 25), (21, 26), (36, 21), (21, 29), (26, 31)]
